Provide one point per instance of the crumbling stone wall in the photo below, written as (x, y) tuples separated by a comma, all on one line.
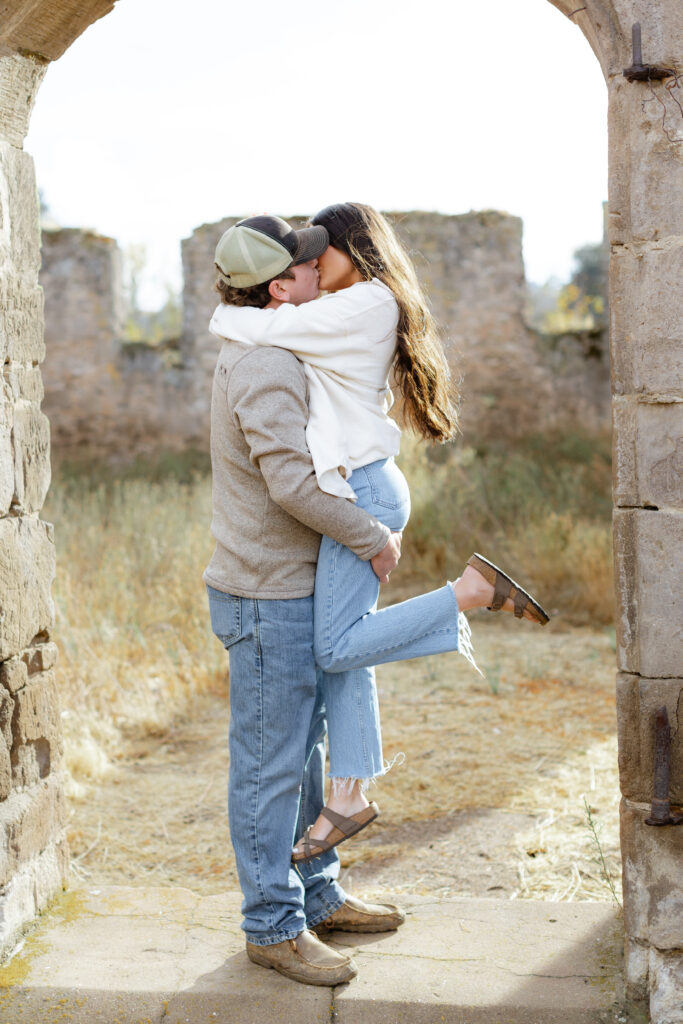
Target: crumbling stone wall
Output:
[(472, 269), (33, 853), (471, 266), (104, 396)]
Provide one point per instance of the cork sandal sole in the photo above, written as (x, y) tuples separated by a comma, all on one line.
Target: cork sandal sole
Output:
[(505, 587), (343, 829)]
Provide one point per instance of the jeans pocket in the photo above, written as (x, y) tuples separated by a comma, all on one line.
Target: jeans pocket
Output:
[(388, 486), (226, 616)]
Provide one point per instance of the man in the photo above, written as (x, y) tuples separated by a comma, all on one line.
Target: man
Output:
[(268, 515)]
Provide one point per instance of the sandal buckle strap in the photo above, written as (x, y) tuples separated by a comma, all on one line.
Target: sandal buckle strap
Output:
[(345, 825), (501, 592)]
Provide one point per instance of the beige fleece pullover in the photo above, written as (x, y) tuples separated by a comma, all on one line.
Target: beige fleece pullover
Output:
[(268, 512)]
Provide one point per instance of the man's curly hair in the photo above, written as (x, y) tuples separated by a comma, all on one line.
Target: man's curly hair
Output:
[(256, 295)]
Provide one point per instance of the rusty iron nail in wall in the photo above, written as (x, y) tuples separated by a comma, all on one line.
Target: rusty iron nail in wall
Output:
[(639, 72), (660, 813)]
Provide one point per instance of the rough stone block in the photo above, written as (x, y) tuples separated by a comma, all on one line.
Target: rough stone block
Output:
[(643, 191), (31, 438), (19, 215), (27, 568), (36, 731), (13, 674), (46, 28), (40, 658), (653, 887), (20, 79), (636, 970), (666, 987), (24, 382), (5, 769), (29, 822), (646, 319), (637, 701), (36, 710), (32, 762), (21, 320), (648, 453), (28, 892), (6, 715), (6, 450), (648, 550)]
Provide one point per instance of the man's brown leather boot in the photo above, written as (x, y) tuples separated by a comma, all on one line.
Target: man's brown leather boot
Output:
[(305, 959), (356, 916)]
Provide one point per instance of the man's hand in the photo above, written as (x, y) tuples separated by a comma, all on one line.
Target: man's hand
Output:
[(387, 559)]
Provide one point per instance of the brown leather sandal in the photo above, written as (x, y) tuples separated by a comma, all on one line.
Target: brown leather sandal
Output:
[(505, 587), (343, 829)]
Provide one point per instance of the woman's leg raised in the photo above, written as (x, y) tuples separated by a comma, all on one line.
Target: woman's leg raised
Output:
[(349, 630), (355, 742), (351, 635)]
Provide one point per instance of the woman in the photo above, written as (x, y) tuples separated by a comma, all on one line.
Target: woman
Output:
[(373, 322)]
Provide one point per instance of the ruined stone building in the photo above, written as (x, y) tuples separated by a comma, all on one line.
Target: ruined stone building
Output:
[(107, 396)]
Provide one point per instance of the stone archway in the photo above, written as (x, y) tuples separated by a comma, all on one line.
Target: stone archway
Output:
[(646, 236)]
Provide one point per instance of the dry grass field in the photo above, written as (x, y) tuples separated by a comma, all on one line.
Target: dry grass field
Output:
[(509, 784)]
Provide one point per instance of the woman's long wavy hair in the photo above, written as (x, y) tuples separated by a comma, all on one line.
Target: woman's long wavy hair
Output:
[(420, 370)]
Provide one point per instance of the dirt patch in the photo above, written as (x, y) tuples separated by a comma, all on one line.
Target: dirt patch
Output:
[(489, 801)]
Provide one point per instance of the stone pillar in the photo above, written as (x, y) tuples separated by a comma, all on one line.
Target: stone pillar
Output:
[(646, 304), (646, 335), (33, 854)]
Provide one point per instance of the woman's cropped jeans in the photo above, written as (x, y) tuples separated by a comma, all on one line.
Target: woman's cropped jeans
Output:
[(351, 635)]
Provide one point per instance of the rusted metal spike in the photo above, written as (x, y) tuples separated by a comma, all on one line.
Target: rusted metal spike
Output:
[(660, 813), (639, 72)]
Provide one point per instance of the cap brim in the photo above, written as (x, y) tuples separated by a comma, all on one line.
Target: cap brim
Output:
[(312, 243)]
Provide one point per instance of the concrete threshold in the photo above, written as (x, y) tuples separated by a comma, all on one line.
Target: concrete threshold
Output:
[(145, 956)]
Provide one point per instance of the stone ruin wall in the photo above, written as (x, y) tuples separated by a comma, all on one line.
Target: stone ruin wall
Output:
[(108, 397), (103, 396), (33, 852)]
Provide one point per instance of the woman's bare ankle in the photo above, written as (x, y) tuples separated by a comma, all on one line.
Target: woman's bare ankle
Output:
[(346, 799), (472, 590)]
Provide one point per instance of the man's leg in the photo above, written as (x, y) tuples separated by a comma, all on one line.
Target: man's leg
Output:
[(323, 893), (272, 696), (273, 689)]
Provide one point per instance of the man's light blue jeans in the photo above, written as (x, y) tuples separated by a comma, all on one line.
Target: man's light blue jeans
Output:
[(351, 634), (277, 758)]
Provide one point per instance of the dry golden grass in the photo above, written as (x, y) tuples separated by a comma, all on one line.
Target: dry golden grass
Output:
[(143, 689), (489, 800), (534, 739), (131, 611), (541, 510)]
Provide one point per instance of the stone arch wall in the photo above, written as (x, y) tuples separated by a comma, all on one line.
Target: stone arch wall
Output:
[(646, 303)]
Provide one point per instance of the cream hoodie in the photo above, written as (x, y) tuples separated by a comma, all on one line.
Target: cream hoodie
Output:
[(347, 342)]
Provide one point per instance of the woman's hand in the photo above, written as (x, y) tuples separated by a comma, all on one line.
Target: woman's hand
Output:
[(388, 558)]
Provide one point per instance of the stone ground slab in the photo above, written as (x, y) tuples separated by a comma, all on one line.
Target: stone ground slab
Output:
[(145, 956)]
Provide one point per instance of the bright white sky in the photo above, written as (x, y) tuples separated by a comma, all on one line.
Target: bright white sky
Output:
[(166, 115)]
